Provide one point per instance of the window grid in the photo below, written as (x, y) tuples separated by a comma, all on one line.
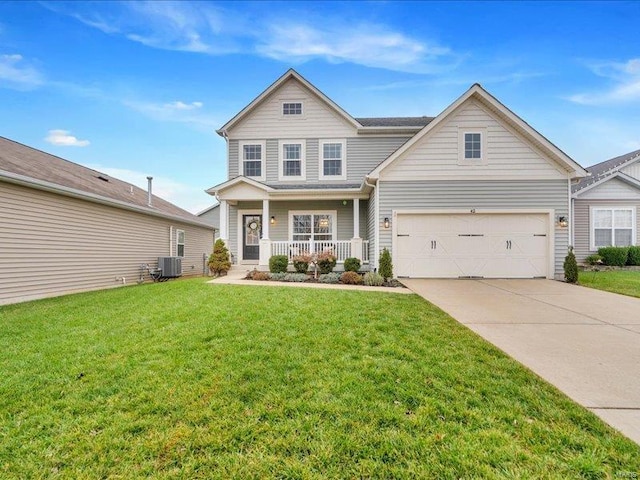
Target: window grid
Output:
[(332, 159), (292, 108), (292, 160), (252, 160), (472, 145), (312, 227)]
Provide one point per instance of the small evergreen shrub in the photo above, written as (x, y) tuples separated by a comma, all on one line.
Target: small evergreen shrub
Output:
[(258, 275), (326, 261), (278, 264), (329, 278), (296, 277), (634, 256), (278, 277), (570, 267), (594, 259), (351, 264), (219, 262), (386, 267), (351, 278), (373, 279), (301, 263), (614, 256)]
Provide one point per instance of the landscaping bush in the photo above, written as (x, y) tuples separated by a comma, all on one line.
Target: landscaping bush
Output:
[(278, 277), (373, 279), (329, 278), (634, 256), (594, 259), (386, 267), (570, 267), (614, 256), (219, 262), (301, 263), (351, 264), (296, 277), (326, 261), (278, 264), (258, 275), (351, 278)]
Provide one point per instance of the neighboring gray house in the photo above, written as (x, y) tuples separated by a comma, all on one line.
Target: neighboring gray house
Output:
[(211, 216), (605, 205), (473, 192), (66, 228)]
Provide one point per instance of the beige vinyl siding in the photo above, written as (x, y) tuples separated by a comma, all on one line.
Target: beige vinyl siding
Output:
[(52, 244), (489, 194), (582, 222), (267, 121), (632, 170), (611, 190), (436, 156)]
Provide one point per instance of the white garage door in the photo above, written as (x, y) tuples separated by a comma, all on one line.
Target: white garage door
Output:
[(472, 245)]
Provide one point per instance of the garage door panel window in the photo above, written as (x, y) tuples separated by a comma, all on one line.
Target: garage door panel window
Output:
[(613, 227)]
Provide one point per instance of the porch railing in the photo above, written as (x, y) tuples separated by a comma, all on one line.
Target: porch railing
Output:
[(340, 248)]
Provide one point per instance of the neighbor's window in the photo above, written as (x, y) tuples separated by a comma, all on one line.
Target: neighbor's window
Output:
[(613, 227), (312, 226), (332, 159), (291, 160), (252, 160), (472, 145), (180, 243), (292, 108)]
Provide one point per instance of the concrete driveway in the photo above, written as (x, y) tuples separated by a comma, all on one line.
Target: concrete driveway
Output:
[(585, 342)]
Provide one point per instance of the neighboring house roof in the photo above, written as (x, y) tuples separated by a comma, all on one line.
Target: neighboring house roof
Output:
[(476, 91), (207, 210), (603, 171), (289, 74), (395, 121), (28, 166)]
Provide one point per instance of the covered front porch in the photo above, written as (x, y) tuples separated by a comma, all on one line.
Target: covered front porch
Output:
[(287, 223)]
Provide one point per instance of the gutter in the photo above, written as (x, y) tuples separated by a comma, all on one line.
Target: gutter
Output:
[(25, 181)]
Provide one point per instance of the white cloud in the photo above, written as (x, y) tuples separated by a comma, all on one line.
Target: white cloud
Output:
[(15, 72), (178, 105), (176, 111), (624, 79), (185, 196), (63, 138)]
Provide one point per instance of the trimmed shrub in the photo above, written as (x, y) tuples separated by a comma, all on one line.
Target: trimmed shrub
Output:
[(301, 263), (594, 259), (614, 256), (278, 264), (326, 261), (386, 267), (258, 275), (296, 277), (351, 278), (329, 278), (351, 264), (570, 267), (278, 277), (373, 279), (634, 256), (219, 262)]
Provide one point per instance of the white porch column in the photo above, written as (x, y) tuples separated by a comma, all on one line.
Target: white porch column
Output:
[(356, 241), (265, 243), (224, 221)]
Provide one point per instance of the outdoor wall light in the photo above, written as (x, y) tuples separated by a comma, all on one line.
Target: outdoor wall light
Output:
[(386, 222), (563, 222), (273, 220)]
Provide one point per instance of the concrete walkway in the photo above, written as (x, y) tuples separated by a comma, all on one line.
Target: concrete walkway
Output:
[(585, 342)]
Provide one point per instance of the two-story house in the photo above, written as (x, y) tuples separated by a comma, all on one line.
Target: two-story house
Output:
[(472, 192)]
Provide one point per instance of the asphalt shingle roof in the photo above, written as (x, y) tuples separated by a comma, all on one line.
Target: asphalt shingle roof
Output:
[(395, 121), (604, 169), (22, 160)]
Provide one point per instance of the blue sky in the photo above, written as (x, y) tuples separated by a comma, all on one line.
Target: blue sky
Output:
[(137, 89)]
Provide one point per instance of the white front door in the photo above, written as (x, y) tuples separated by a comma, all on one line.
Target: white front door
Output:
[(472, 245)]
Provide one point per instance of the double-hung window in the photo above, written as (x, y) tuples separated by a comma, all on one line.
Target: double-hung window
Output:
[(312, 226), (252, 156), (292, 161), (333, 160), (613, 226), (180, 243)]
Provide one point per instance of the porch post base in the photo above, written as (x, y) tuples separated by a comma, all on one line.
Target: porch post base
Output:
[(356, 248), (265, 252)]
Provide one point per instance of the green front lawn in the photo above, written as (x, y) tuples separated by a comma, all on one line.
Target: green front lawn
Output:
[(189, 380), (624, 282)]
